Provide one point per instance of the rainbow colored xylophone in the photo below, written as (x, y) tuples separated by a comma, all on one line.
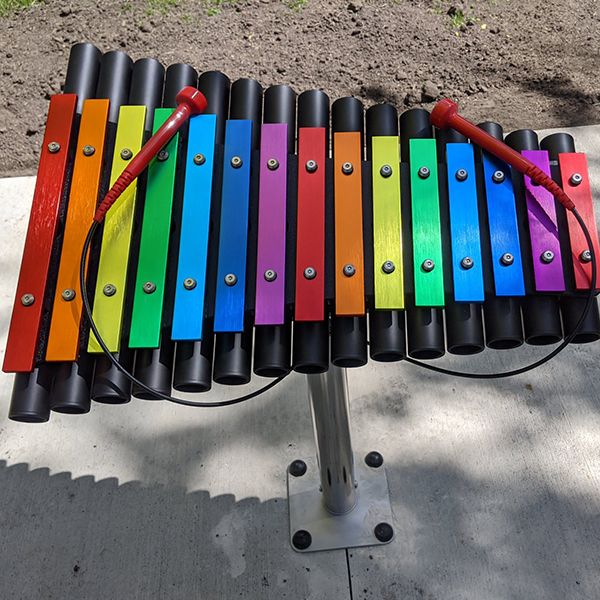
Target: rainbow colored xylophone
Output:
[(247, 246)]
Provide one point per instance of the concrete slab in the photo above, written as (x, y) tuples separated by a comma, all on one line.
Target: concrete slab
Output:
[(495, 485)]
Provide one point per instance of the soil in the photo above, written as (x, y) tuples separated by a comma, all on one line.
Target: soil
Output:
[(521, 63)]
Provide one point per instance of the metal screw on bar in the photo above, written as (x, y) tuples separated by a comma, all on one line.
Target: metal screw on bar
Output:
[(547, 256), (310, 273), (424, 172), (575, 179), (385, 171), (68, 295), (109, 290), (347, 168), (53, 147), (467, 262), (388, 267), (349, 270), (507, 259), (236, 162), (270, 275), (126, 154), (149, 287), (88, 150), (230, 279), (498, 176), (189, 283), (428, 265), (461, 175), (311, 166), (272, 164), (27, 299), (585, 256), (162, 156), (199, 159)]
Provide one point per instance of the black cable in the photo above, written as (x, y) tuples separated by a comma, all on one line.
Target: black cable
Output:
[(551, 355), (443, 371), (88, 313)]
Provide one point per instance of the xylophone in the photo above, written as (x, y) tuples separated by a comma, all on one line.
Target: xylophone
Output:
[(275, 232)]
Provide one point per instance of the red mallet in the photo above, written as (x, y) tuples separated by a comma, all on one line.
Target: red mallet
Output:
[(445, 115), (190, 102)]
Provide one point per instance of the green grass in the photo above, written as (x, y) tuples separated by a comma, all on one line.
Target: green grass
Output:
[(161, 6), (10, 6), (458, 19), (296, 4)]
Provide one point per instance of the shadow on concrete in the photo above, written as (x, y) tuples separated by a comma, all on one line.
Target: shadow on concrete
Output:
[(65, 538)]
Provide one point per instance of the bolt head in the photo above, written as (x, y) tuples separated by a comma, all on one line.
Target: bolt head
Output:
[(498, 176), (310, 273), (349, 270), (68, 295), (575, 179), (311, 166), (109, 290), (424, 172), (162, 156), (461, 174), (53, 147), (585, 256), (189, 283), (467, 262), (374, 459), (230, 279), (347, 168), (149, 287), (199, 159), (270, 275), (507, 259), (297, 468), (301, 539), (547, 256), (383, 532), (236, 162), (385, 171), (88, 150), (126, 154), (388, 267), (27, 299), (272, 164), (428, 265)]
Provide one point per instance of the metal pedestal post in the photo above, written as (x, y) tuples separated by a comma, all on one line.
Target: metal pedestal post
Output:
[(336, 501)]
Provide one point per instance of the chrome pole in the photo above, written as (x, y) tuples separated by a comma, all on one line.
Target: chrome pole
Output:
[(328, 397)]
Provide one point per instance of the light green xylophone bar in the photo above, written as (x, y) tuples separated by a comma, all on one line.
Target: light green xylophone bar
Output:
[(109, 296)]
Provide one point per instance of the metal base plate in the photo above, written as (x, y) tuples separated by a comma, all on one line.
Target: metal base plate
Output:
[(330, 532)]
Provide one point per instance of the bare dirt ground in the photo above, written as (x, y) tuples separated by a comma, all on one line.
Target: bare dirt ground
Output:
[(522, 63)]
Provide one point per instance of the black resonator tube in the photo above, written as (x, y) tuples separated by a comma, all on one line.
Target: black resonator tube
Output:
[(154, 366), (32, 395), (310, 353), (541, 313), (571, 306), (110, 385), (425, 325), (348, 334), (233, 351), (464, 324), (194, 360), (501, 314), (272, 343), (387, 328)]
